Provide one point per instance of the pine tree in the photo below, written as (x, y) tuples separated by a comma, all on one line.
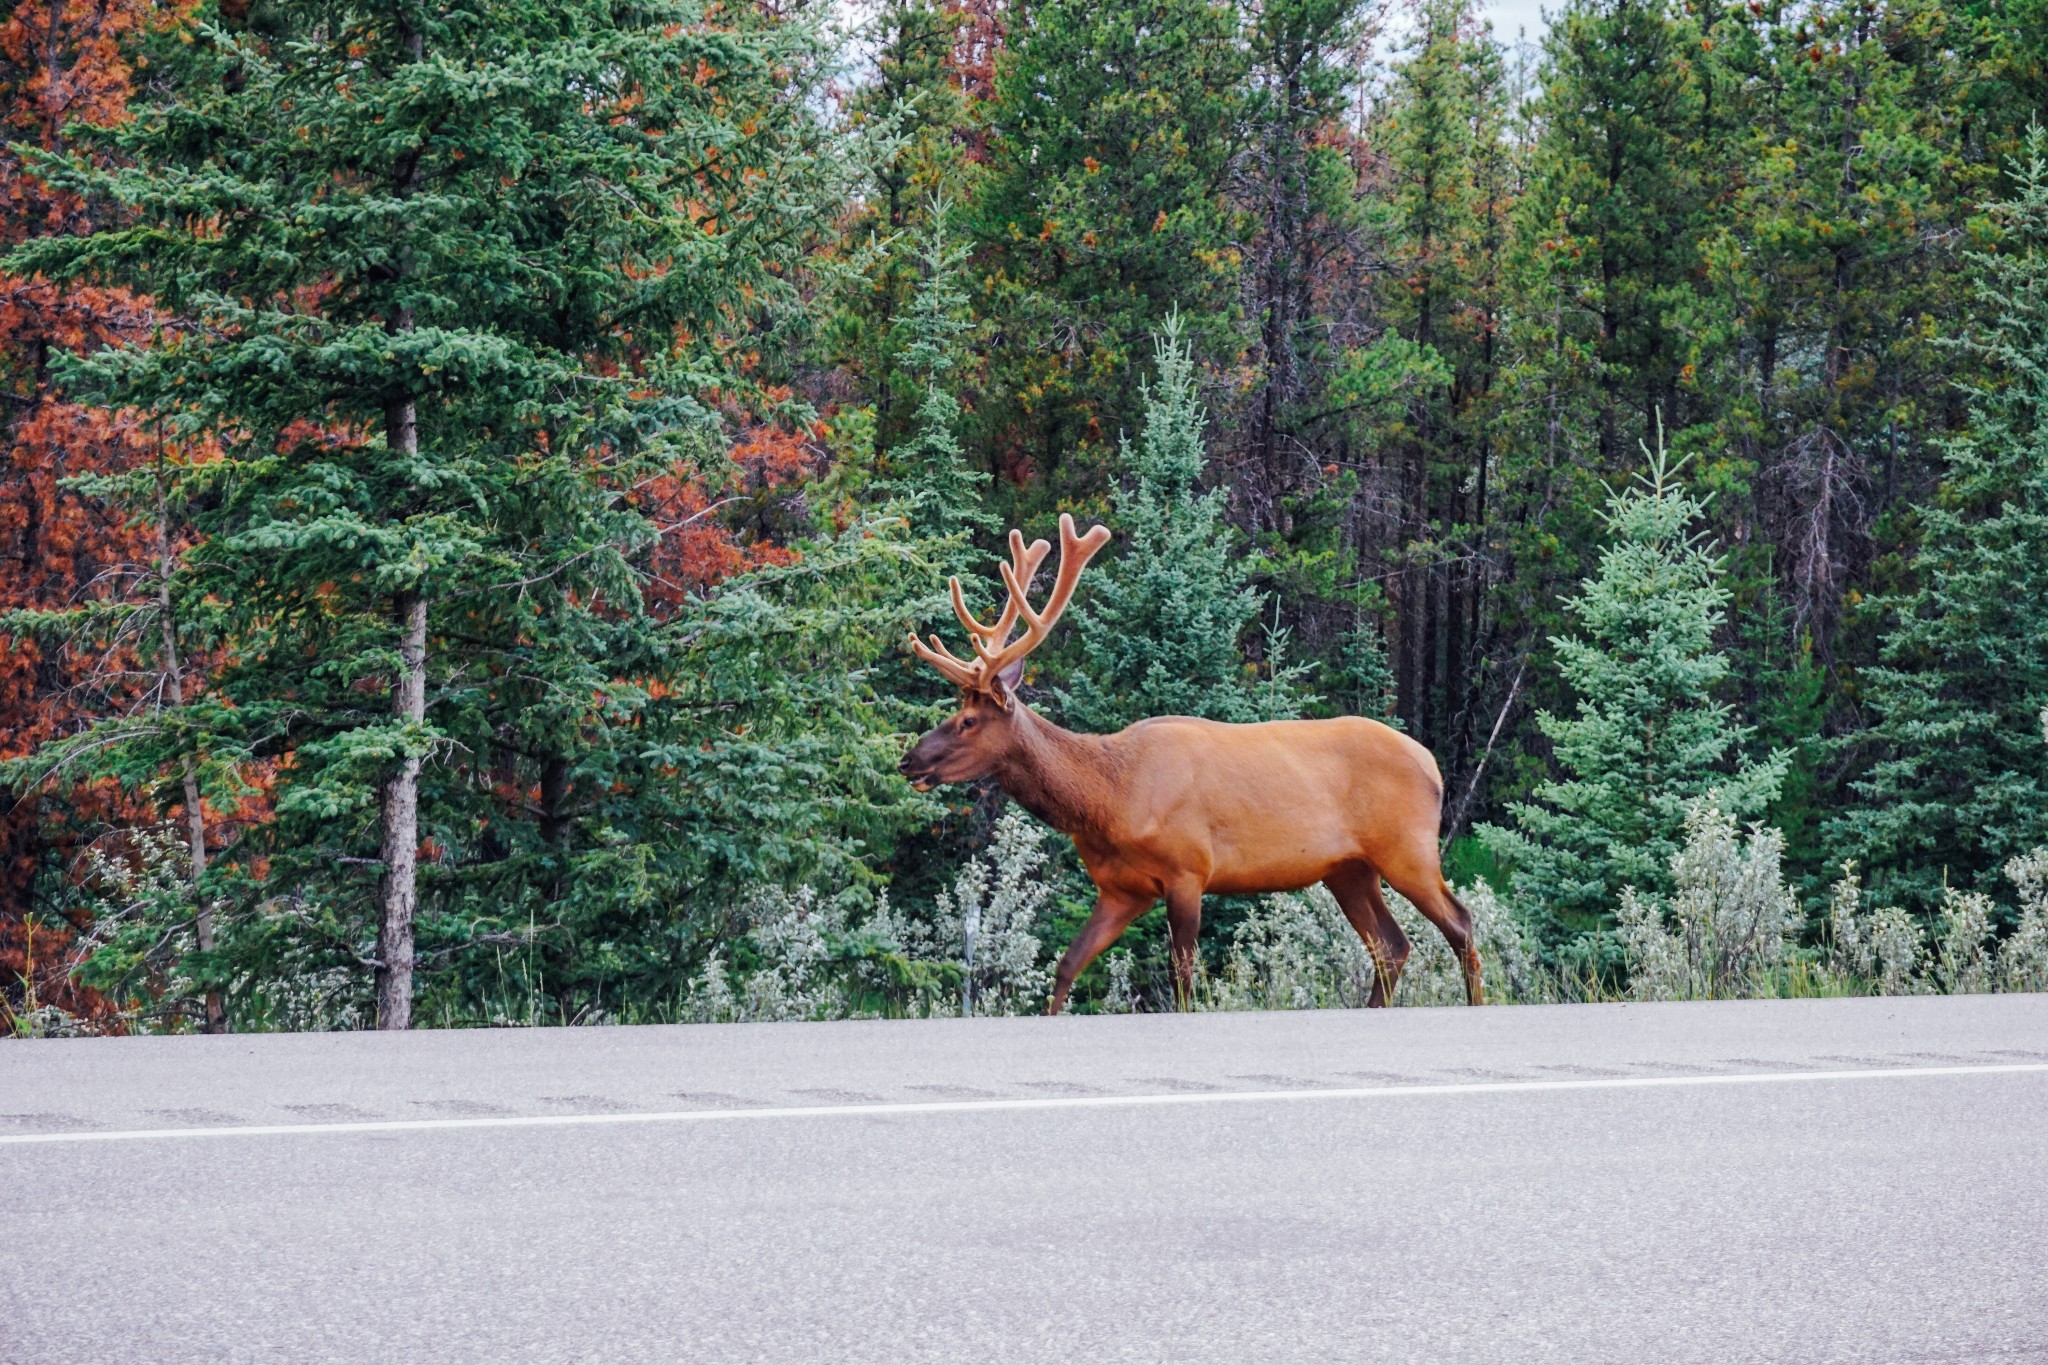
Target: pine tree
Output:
[(1159, 629), (1296, 183), (915, 122), (1649, 739), (449, 306), (929, 470), (1325, 383), (1809, 350), (1614, 202), (1102, 209), (1959, 781), (1449, 169)]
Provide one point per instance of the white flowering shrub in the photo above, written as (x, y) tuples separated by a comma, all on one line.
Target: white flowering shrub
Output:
[(800, 942), (990, 920), (1120, 996), (1878, 950), (1508, 962), (2023, 959), (1885, 952), (1298, 951), (1294, 951), (304, 995), (1962, 961), (1725, 929), (1851, 951), (978, 949), (1901, 958)]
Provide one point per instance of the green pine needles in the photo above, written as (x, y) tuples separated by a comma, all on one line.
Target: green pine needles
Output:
[(929, 471)]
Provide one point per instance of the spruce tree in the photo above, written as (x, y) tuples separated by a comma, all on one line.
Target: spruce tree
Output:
[(1958, 782), (1159, 627), (455, 281), (929, 471), (1649, 739)]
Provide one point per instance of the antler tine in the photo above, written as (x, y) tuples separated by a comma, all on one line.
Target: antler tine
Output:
[(958, 671), (1027, 560), (974, 627), (1022, 568), (1075, 552)]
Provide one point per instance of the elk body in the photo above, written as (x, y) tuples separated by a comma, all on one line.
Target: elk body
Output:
[(1174, 808)]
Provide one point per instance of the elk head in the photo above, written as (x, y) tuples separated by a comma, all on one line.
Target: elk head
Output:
[(973, 742)]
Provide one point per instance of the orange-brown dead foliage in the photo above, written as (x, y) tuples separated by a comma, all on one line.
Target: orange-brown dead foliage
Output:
[(62, 62)]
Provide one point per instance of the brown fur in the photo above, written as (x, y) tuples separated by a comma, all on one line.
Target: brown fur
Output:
[(1174, 808)]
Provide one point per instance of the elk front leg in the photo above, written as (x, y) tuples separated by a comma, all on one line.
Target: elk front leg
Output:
[(1114, 911), (1184, 928)]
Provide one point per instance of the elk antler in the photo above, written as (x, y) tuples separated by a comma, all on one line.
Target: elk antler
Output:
[(994, 651)]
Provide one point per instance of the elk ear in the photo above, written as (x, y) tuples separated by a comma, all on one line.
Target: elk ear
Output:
[(1007, 683)]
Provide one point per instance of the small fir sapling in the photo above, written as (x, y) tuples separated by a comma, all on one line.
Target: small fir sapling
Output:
[(1649, 739)]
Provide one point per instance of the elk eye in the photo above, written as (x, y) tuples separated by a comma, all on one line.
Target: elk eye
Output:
[(966, 722)]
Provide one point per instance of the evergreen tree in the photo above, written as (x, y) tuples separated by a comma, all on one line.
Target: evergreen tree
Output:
[(1959, 783), (1324, 383), (1160, 627), (1102, 208), (1649, 739), (929, 470), (456, 279), (1809, 350), (1450, 176), (916, 123), (1297, 188), (1614, 202), (59, 544)]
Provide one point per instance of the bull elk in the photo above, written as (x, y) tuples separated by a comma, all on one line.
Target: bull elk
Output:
[(1174, 808)]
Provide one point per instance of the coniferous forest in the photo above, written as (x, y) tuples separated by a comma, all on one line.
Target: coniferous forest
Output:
[(470, 472)]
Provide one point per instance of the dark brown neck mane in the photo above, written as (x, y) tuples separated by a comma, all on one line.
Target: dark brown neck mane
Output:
[(1063, 778)]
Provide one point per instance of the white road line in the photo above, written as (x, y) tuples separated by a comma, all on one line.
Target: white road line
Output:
[(839, 1111)]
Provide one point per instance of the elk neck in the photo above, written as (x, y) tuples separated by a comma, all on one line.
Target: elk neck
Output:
[(1067, 780)]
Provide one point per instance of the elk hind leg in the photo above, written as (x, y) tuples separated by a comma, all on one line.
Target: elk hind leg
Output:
[(1114, 912), (1357, 889), (1429, 893)]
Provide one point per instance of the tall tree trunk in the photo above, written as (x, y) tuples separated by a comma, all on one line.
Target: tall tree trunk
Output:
[(401, 812), (400, 798), (554, 817), (174, 686)]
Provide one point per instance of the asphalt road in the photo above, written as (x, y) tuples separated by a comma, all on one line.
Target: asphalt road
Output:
[(1801, 1181)]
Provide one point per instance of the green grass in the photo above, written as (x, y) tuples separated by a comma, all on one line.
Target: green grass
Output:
[(1467, 860)]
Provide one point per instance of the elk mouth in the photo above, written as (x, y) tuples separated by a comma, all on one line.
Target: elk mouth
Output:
[(920, 779)]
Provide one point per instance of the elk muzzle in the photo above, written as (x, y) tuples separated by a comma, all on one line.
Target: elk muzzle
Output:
[(918, 765)]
